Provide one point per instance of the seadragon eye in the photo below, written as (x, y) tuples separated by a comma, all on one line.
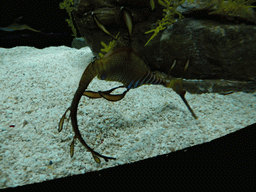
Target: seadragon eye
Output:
[(103, 76)]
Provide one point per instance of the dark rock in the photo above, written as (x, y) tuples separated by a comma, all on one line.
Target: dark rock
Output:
[(79, 42), (215, 50), (217, 47)]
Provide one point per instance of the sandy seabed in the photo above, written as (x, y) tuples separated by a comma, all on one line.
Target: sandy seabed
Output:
[(37, 86)]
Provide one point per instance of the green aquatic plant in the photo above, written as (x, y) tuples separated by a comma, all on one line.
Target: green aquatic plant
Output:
[(67, 4), (169, 14), (239, 8), (110, 46)]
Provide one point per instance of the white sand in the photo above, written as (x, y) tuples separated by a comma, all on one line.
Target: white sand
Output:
[(36, 87)]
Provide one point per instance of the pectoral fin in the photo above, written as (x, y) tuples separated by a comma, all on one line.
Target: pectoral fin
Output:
[(61, 123), (93, 94), (110, 97), (72, 147), (96, 159)]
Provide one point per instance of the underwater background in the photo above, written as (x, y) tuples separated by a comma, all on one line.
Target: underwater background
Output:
[(39, 73)]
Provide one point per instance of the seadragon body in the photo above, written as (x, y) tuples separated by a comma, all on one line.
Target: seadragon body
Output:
[(123, 65)]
